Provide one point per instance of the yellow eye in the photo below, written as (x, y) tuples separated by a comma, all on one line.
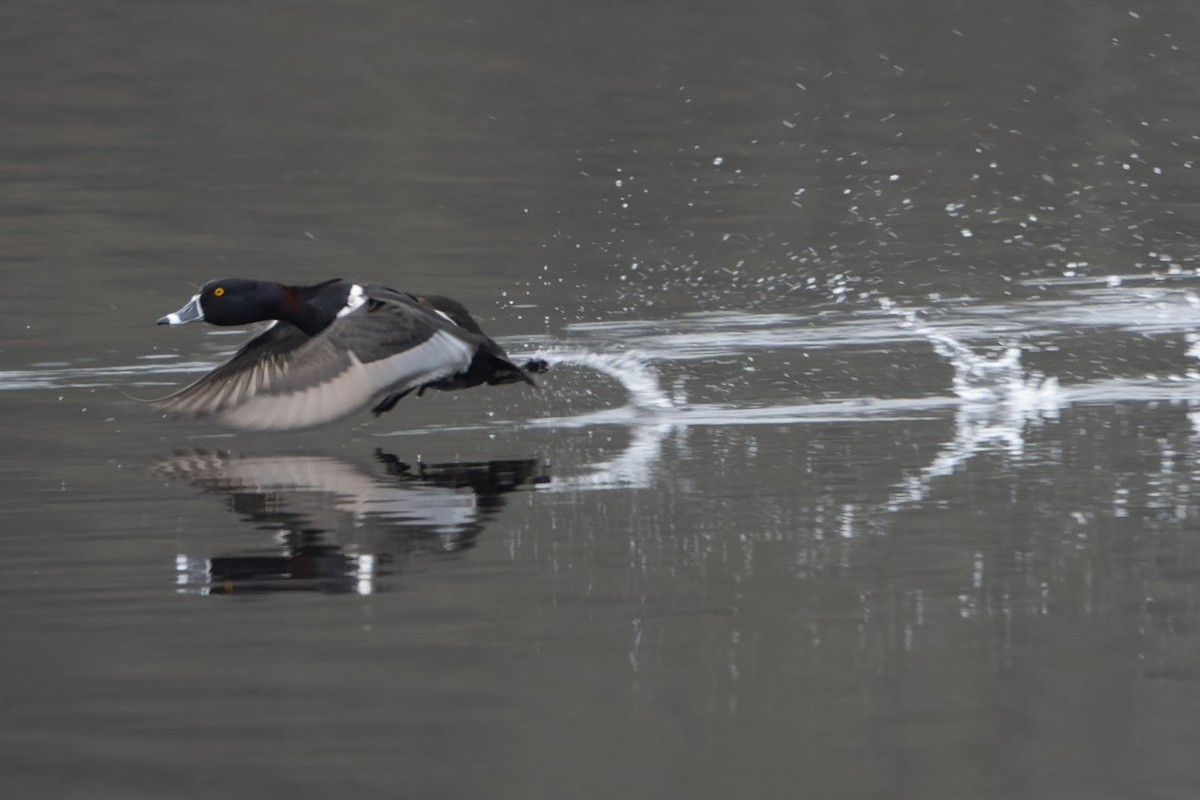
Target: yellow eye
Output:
[(217, 292)]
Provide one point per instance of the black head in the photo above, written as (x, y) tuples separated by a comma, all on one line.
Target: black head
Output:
[(233, 301)]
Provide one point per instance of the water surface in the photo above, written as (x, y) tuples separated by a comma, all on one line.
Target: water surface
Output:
[(865, 467)]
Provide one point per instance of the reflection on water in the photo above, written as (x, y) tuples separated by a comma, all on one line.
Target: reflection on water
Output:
[(994, 397), (794, 540), (1051, 524), (336, 527), (999, 400)]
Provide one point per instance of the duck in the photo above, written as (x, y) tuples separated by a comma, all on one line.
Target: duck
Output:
[(332, 349)]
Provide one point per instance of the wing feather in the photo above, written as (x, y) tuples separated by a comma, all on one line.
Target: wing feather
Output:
[(303, 404), (284, 378)]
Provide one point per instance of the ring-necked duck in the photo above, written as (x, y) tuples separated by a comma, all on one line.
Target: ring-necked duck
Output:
[(335, 347)]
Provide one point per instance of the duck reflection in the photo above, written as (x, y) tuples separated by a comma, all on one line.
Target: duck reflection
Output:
[(339, 528)]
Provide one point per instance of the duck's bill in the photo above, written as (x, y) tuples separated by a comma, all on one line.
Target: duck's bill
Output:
[(189, 313)]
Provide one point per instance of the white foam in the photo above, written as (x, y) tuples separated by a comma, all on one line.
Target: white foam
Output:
[(999, 402), (631, 369)]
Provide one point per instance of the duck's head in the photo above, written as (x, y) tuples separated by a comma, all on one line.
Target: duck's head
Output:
[(232, 301)]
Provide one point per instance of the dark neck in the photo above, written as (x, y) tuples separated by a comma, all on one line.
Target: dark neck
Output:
[(313, 308)]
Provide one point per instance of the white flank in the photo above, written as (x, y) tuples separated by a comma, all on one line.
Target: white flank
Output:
[(439, 356)]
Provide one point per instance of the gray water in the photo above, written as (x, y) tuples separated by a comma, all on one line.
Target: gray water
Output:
[(865, 467)]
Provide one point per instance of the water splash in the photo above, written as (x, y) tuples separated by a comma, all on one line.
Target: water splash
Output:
[(978, 378), (650, 415), (632, 369), (999, 402)]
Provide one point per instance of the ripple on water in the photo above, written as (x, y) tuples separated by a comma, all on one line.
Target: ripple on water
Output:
[(982, 345)]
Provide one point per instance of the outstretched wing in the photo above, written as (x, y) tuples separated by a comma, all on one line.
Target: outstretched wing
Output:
[(257, 364), (286, 379)]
